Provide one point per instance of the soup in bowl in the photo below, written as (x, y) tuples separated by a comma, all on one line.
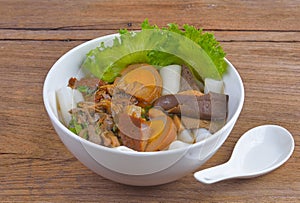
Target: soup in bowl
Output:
[(152, 140)]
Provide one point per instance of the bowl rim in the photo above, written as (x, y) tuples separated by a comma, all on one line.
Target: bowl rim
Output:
[(59, 124)]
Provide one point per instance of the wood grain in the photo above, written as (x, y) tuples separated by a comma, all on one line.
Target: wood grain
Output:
[(84, 35), (261, 38), (252, 15)]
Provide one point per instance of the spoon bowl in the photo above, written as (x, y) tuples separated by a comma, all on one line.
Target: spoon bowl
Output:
[(259, 151)]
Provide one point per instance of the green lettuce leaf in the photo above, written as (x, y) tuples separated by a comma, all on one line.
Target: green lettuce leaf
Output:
[(206, 41), (159, 47)]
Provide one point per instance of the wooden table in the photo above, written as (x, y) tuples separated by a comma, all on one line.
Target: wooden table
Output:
[(261, 38)]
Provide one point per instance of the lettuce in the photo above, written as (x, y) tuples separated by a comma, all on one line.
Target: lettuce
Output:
[(159, 47)]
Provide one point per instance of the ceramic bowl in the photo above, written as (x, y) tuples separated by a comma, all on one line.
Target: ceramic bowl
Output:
[(129, 167)]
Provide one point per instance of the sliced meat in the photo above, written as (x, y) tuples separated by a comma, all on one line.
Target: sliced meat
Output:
[(88, 82), (188, 81), (130, 132), (211, 106)]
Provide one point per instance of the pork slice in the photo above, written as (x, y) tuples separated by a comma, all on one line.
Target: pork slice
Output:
[(188, 81)]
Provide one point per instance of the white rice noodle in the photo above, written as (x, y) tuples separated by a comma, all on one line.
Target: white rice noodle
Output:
[(178, 144), (186, 136), (212, 85), (201, 134), (124, 149), (171, 79), (67, 99), (53, 102)]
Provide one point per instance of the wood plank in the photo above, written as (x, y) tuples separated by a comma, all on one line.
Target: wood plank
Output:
[(93, 14), (35, 165), (84, 35), (261, 38)]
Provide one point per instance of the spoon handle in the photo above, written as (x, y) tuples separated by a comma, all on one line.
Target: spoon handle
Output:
[(215, 174)]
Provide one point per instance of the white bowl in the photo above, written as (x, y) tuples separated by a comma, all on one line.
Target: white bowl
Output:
[(129, 167)]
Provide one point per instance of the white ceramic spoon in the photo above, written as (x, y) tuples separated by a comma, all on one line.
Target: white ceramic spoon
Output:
[(258, 151)]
